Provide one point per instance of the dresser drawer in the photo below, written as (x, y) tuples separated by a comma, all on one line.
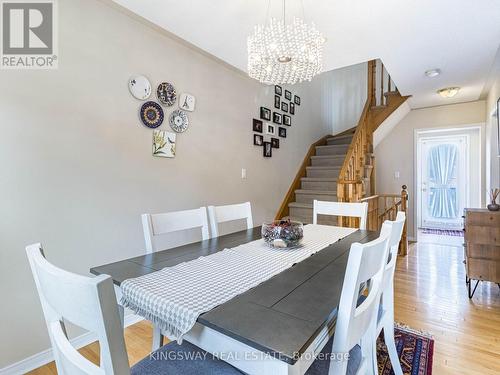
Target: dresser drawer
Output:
[(484, 235), (483, 218), (482, 269), (479, 251)]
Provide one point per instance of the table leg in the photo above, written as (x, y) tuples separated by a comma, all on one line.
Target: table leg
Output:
[(157, 338)]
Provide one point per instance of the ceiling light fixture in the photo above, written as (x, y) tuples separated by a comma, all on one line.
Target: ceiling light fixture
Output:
[(285, 53), (449, 92), (433, 73)]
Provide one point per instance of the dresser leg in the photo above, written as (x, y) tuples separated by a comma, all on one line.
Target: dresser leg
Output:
[(471, 294)]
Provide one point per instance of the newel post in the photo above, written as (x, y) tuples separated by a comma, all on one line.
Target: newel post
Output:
[(403, 246)]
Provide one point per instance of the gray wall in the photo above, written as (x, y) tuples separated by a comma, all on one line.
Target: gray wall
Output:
[(342, 96), (76, 165), (492, 146)]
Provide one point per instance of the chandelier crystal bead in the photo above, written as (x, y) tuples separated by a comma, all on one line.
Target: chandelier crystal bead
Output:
[(280, 53)]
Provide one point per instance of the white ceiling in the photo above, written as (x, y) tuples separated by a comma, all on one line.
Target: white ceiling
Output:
[(460, 37)]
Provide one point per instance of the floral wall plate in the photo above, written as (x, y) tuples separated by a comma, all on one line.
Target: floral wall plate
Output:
[(179, 121), (166, 94), (151, 114), (139, 87)]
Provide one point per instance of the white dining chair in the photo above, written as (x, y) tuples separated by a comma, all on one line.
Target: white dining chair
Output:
[(156, 226), (89, 302), (359, 210), (223, 214), (356, 318), (385, 319)]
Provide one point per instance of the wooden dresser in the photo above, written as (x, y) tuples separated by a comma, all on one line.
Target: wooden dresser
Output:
[(482, 246)]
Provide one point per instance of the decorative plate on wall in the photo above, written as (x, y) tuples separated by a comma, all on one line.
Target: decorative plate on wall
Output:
[(139, 87), (187, 102), (151, 114), (166, 94), (179, 121)]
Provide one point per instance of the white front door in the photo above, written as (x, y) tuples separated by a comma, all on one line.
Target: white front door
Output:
[(444, 170)]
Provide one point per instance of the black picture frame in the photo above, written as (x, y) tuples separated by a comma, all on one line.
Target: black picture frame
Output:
[(287, 120), (282, 132), (275, 143), (277, 118), (265, 113), (270, 129), (258, 140), (267, 150), (277, 101), (257, 125), (292, 108), (284, 107), (278, 90), (296, 99), (288, 95)]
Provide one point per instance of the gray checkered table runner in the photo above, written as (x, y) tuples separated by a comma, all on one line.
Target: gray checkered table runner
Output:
[(174, 297)]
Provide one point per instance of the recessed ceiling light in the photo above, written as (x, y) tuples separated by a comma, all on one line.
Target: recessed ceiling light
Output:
[(432, 73), (449, 92)]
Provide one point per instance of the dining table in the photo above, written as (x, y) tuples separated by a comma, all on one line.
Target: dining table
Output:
[(276, 327)]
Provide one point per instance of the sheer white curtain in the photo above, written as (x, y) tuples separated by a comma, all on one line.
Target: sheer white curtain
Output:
[(442, 170)]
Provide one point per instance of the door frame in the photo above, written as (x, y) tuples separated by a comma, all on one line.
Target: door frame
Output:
[(430, 137), (429, 131)]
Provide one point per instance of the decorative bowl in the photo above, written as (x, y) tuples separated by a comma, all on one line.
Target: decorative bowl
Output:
[(283, 233)]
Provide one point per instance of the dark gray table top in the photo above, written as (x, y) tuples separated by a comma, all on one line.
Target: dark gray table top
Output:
[(281, 316)]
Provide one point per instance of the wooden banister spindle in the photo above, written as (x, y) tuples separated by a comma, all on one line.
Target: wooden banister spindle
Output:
[(372, 66), (403, 246), (381, 83)]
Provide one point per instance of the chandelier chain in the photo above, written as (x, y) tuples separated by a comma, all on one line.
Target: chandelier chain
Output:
[(284, 13), (303, 11), (268, 10)]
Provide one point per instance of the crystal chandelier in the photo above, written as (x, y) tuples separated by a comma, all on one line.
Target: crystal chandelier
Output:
[(285, 53)]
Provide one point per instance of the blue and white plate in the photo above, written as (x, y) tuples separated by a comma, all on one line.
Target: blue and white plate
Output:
[(166, 94), (151, 114), (179, 121)]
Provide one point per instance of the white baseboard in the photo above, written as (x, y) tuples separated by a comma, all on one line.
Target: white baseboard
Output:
[(42, 358)]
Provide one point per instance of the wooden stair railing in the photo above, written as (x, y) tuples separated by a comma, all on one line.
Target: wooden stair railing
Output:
[(357, 177), (382, 207)]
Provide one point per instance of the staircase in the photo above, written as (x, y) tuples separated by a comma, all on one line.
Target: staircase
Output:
[(341, 167), (320, 181)]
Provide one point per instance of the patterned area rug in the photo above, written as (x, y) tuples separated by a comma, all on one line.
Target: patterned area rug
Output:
[(443, 232), (415, 351)]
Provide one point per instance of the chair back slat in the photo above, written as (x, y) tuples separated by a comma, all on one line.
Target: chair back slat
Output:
[(396, 234), (223, 214), (359, 210), (68, 359), (88, 302), (158, 225), (366, 263)]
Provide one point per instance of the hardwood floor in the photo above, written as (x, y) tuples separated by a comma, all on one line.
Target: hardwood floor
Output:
[(430, 295), (137, 338)]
